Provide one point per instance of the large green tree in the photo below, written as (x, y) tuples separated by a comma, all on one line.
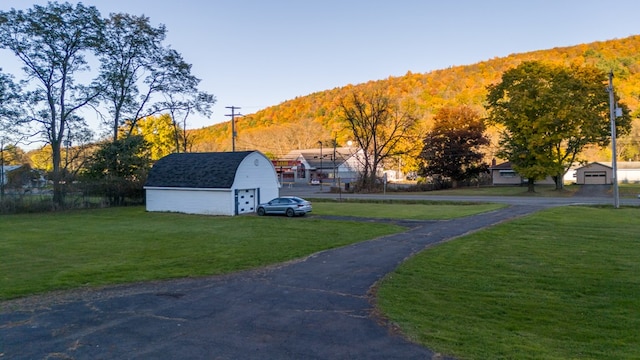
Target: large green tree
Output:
[(548, 114), (452, 148), (52, 42), (119, 168)]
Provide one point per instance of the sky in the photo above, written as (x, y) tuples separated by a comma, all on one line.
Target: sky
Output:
[(253, 54)]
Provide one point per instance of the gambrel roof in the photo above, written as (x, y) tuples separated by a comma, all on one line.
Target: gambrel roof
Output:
[(196, 170)]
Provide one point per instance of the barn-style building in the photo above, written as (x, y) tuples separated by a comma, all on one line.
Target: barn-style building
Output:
[(215, 183)]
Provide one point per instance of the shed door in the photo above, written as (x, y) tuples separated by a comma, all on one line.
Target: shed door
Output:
[(595, 177), (246, 201)]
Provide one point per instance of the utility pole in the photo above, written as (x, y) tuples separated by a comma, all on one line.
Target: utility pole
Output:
[(335, 143), (233, 125), (320, 143), (1, 169), (614, 155)]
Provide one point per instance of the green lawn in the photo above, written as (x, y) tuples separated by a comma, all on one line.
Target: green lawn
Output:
[(626, 191), (416, 210), (52, 251), (629, 190), (508, 190), (560, 284)]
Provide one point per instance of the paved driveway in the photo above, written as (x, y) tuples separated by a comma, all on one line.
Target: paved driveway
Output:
[(315, 308)]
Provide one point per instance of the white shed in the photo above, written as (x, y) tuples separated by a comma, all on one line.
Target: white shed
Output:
[(222, 183)]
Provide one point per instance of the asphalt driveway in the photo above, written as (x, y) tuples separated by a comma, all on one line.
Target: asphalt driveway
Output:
[(314, 308)]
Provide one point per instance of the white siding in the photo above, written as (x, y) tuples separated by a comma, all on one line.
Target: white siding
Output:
[(628, 175), (257, 171), (191, 201)]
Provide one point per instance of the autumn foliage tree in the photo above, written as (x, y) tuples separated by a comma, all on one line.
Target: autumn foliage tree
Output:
[(453, 146)]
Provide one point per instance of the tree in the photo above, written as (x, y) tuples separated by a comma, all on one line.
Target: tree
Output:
[(127, 55), (180, 106), (159, 133), (120, 168), (378, 126), (9, 105), (9, 99), (549, 113), (136, 70), (51, 41), (452, 147)]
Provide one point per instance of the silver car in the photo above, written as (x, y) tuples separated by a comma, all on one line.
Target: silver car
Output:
[(286, 205)]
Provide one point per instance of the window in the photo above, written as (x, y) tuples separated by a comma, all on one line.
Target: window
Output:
[(507, 173)]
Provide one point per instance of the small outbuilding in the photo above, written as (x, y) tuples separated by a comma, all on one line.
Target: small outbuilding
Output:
[(594, 173), (215, 183)]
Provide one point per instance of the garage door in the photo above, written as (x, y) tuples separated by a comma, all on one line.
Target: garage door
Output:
[(595, 177), (246, 201)]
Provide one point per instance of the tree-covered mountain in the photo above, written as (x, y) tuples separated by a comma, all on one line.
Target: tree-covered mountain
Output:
[(305, 120)]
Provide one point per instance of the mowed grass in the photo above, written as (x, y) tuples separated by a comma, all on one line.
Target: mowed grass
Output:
[(560, 284), (57, 251), (509, 190), (394, 209), (44, 252)]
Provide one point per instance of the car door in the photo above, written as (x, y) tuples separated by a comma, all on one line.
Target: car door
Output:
[(278, 206), (284, 205)]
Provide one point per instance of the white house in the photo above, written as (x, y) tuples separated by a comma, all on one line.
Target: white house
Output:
[(4, 172), (222, 183)]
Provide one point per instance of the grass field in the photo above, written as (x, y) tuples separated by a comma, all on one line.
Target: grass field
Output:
[(561, 284), (64, 250), (416, 210), (52, 251)]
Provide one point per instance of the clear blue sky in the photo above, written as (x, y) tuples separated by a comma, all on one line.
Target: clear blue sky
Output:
[(257, 53)]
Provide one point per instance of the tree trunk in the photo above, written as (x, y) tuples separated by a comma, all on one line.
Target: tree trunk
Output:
[(531, 183), (58, 199), (559, 182)]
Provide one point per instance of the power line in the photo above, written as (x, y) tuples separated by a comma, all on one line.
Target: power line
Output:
[(233, 125)]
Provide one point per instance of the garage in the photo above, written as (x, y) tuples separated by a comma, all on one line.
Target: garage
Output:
[(595, 178), (594, 174)]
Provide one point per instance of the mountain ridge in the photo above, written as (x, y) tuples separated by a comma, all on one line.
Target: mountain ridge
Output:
[(303, 121)]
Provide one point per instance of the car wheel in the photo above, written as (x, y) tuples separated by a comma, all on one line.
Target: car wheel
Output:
[(261, 211), (290, 212)]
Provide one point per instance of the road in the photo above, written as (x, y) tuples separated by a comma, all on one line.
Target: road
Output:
[(599, 199)]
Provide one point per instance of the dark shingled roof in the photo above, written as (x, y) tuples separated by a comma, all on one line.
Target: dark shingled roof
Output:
[(196, 170)]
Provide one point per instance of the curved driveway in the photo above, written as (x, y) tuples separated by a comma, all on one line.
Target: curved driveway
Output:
[(314, 308)]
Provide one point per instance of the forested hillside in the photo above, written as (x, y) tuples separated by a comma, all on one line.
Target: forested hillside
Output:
[(303, 121)]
